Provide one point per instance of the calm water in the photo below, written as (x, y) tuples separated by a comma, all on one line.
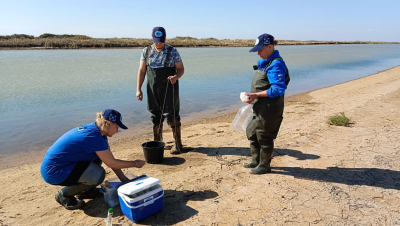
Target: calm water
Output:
[(44, 93)]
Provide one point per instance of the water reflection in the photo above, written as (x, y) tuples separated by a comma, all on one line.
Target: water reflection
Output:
[(44, 93)]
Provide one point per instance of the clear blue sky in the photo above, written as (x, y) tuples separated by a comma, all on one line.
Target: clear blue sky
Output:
[(339, 20)]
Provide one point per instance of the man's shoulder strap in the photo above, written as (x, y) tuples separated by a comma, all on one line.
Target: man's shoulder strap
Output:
[(255, 67), (270, 62), (167, 57), (147, 55)]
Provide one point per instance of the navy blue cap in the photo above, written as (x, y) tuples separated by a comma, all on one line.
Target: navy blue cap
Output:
[(261, 41), (114, 116), (158, 34)]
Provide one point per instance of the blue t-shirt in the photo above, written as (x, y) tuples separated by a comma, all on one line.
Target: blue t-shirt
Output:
[(156, 59), (78, 144)]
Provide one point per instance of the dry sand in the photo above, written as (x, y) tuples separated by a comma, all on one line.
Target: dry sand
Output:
[(322, 174)]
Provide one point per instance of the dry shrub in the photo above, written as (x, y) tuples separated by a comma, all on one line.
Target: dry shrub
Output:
[(339, 120), (66, 41)]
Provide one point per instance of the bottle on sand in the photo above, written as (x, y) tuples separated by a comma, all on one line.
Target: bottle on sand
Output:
[(108, 220)]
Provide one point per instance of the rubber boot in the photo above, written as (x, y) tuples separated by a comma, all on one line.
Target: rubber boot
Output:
[(91, 194), (157, 130), (177, 148), (66, 196), (265, 160), (255, 154)]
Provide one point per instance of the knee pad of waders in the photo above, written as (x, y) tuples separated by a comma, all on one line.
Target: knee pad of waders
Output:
[(93, 175)]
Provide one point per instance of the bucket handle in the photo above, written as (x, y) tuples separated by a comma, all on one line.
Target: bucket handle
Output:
[(147, 201)]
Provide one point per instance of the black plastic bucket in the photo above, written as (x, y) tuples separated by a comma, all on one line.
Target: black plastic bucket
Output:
[(153, 151)]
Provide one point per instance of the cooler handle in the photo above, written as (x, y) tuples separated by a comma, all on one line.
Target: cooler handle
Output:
[(148, 202)]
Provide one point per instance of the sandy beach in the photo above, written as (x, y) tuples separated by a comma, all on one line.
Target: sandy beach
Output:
[(321, 174)]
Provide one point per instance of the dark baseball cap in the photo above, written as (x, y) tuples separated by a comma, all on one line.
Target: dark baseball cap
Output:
[(158, 34), (114, 116), (261, 41)]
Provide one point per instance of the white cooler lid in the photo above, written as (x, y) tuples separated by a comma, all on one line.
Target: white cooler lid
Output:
[(138, 185)]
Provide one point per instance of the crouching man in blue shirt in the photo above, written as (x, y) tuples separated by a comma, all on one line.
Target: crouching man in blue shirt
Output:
[(74, 160)]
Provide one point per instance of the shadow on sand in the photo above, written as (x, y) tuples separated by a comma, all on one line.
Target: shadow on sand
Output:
[(174, 209), (294, 153), (238, 151), (383, 178), (172, 161), (222, 151), (375, 177)]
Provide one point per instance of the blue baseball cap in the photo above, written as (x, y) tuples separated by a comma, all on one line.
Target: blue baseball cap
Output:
[(158, 34), (261, 41), (114, 116)]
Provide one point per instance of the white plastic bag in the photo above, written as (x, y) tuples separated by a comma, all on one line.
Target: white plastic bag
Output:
[(243, 118), (243, 97)]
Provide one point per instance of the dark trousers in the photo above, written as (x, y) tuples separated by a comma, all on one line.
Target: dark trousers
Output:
[(264, 126)]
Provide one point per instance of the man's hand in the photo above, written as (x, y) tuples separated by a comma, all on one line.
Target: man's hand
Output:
[(139, 95), (173, 79), (139, 163), (251, 96)]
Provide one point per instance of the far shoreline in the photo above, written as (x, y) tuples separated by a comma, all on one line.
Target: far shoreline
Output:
[(65, 41)]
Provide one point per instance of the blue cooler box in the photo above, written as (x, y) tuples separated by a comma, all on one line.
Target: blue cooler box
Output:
[(141, 198)]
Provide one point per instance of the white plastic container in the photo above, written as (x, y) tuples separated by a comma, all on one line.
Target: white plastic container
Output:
[(243, 118)]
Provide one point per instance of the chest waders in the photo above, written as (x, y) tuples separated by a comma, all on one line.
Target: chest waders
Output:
[(163, 100), (264, 127)]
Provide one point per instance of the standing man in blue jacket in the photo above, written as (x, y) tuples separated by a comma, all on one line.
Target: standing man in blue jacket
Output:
[(267, 94)]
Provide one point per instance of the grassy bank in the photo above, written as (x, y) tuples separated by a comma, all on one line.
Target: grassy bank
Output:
[(51, 41)]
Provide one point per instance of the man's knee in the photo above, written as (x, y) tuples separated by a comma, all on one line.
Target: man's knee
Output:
[(93, 175), (156, 120), (174, 124), (266, 143), (101, 178)]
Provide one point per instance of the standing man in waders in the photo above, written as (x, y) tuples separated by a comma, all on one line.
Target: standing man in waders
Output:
[(267, 94), (163, 66)]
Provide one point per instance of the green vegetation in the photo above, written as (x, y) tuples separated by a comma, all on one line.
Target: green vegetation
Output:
[(65, 41), (339, 120)]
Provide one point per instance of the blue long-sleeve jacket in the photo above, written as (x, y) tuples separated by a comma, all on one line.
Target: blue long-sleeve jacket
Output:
[(276, 72)]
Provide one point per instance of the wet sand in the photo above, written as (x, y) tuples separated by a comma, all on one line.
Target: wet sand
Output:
[(321, 174)]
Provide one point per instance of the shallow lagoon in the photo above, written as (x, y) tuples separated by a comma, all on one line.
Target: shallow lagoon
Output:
[(44, 93)]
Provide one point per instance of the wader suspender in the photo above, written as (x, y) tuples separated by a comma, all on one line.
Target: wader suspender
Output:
[(166, 90), (147, 55), (270, 62), (287, 77), (167, 57)]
